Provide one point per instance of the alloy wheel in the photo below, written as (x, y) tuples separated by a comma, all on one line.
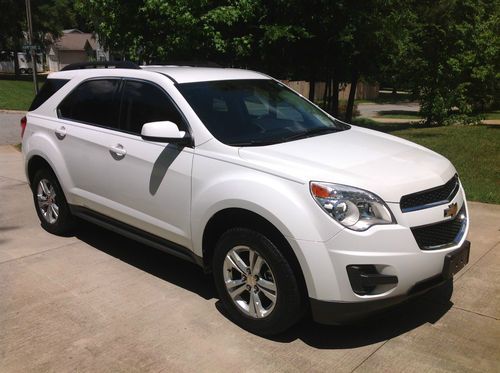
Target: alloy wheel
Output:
[(46, 199), (250, 282)]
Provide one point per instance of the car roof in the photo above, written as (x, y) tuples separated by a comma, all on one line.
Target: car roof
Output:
[(187, 74), (179, 74)]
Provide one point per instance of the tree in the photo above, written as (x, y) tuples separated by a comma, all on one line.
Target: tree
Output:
[(48, 17), (451, 57)]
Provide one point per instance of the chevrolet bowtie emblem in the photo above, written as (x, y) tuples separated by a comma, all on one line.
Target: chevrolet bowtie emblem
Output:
[(451, 211)]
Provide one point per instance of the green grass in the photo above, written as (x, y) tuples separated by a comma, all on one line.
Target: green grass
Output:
[(399, 114), (16, 95), (473, 150), (492, 115)]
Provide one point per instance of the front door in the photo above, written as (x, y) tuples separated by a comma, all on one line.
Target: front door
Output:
[(144, 184)]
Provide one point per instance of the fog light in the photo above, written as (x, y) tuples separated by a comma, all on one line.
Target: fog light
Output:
[(364, 278)]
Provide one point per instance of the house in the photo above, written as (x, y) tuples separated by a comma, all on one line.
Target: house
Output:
[(75, 46)]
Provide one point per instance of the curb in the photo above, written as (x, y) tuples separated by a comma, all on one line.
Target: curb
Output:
[(13, 111)]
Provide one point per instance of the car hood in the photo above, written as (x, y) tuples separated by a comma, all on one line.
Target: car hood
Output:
[(383, 164)]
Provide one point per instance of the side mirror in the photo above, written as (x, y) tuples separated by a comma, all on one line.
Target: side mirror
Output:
[(164, 131)]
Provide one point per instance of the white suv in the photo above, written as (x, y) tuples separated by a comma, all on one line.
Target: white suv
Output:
[(291, 209)]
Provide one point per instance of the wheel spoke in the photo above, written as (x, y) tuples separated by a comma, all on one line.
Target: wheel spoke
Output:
[(257, 265), (252, 304), (55, 211), (45, 187), (268, 294), (252, 255), (235, 292), (42, 202), (238, 262), (232, 264), (268, 285), (231, 284), (259, 309), (52, 192)]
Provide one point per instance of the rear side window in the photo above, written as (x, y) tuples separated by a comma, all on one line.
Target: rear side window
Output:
[(50, 87), (94, 102), (144, 102)]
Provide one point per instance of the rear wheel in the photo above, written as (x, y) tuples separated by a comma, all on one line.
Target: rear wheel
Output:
[(50, 203), (256, 284)]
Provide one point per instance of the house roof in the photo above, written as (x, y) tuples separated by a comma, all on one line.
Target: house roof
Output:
[(75, 41)]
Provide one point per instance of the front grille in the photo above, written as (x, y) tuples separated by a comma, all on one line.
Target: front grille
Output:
[(441, 235), (430, 197)]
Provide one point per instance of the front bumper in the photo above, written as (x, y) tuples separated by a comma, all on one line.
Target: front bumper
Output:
[(336, 312)]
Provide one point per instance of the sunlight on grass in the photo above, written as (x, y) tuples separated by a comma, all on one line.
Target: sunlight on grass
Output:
[(16, 95)]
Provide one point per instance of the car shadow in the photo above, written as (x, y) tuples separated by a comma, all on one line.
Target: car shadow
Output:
[(387, 324), (155, 262), (428, 308)]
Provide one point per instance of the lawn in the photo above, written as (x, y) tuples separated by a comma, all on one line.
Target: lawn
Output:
[(473, 150), (16, 95), (492, 115)]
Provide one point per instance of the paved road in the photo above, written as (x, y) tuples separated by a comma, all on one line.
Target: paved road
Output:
[(99, 302), (370, 110), (10, 132)]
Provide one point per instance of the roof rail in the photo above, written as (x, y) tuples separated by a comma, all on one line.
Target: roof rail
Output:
[(101, 64), (195, 63)]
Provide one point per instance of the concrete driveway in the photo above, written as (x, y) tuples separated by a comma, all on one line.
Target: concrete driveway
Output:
[(10, 130), (99, 302)]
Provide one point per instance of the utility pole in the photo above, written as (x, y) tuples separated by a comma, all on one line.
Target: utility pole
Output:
[(31, 46)]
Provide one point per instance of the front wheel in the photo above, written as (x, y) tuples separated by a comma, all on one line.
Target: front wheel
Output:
[(255, 282), (50, 203)]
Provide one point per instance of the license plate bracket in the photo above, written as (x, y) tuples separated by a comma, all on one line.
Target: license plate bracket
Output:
[(456, 260)]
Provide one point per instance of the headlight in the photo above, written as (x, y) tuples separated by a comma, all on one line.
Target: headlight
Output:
[(354, 208)]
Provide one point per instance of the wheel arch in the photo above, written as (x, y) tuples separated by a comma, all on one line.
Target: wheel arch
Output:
[(229, 218), (36, 163)]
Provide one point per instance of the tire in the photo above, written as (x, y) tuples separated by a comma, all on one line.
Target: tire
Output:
[(50, 203), (22, 71), (249, 300)]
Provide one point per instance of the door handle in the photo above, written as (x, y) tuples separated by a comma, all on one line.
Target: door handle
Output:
[(61, 132), (117, 151)]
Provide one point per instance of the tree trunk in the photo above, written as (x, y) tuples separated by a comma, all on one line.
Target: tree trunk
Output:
[(352, 95), (326, 93), (312, 89), (335, 97), (16, 65)]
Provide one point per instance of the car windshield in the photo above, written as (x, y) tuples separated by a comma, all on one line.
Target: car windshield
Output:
[(256, 112)]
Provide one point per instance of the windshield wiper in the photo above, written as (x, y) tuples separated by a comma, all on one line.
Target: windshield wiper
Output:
[(254, 143), (312, 132), (296, 136)]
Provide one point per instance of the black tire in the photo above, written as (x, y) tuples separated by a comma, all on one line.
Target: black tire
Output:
[(22, 71), (64, 221), (289, 304)]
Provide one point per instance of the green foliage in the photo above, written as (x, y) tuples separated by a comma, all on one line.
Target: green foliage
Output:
[(48, 16), (451, 58)]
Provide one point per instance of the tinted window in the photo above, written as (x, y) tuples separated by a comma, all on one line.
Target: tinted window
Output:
[(50, 87), (93, 101), (256, 112), (142, 103)]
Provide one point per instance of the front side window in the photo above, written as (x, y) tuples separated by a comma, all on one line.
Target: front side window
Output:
[(144, 102), (94, 102), (256, 112)]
